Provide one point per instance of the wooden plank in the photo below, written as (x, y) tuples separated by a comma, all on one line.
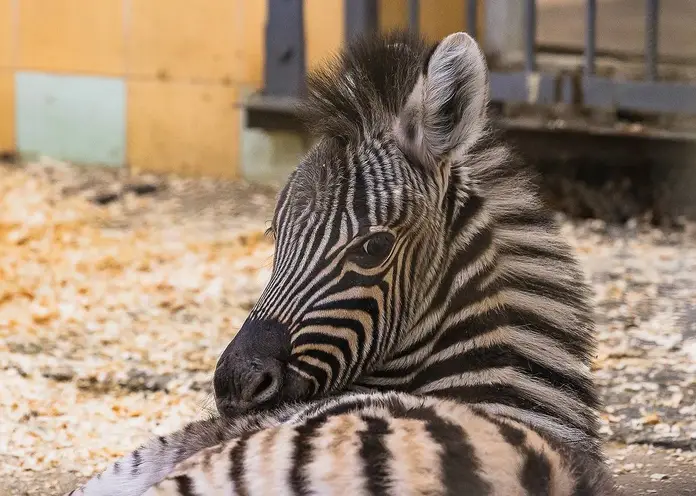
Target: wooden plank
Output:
[(183, 128), (72, 36), (7, 116), (171, 40)]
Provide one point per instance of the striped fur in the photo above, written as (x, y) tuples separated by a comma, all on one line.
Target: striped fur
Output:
[(358, 444), (416, 264)]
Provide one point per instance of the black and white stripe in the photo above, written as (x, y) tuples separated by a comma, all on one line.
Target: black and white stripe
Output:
[(469, 340), (358, 444)]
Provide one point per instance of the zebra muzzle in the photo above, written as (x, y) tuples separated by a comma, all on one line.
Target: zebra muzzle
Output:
[(251, 372)]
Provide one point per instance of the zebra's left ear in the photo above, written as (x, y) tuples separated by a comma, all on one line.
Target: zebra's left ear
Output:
[(445, 113)]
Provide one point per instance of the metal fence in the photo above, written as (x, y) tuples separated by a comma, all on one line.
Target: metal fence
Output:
[(584, 88)]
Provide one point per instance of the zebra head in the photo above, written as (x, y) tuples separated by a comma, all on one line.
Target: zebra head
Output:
[(360, 226), (411, 251)]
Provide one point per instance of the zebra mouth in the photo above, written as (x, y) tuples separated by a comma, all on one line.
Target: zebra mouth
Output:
[(295, 387)]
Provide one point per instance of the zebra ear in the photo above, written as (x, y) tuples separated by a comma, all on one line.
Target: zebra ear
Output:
[(445, 114)]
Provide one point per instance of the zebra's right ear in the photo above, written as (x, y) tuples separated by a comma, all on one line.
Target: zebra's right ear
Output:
[(445, 114)]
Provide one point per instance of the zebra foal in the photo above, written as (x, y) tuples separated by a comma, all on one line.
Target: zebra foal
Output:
[(426, 329)]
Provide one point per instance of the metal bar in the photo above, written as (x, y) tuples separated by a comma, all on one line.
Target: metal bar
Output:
[(414, 15), (284, 68), (522, 87), (645, 96), (591, 36), (568, 88), (360, 17), (651, 21), (530, 35), (471, 17), (503, 30)]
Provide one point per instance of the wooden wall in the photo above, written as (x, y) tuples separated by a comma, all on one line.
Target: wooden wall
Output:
[(153, 84)]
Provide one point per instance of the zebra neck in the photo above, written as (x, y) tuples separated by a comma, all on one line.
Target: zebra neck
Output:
[(508, 329), (495, 364)]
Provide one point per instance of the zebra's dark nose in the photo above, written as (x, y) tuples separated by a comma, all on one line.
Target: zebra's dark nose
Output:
[(249, 374)]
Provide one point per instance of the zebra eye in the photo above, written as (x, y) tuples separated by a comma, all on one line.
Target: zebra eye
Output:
[(375, 249)]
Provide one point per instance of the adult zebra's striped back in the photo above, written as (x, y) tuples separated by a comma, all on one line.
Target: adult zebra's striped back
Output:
[(425, 330)]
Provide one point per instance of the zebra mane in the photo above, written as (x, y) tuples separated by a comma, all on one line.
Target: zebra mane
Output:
[(359, 93), (363, 88)]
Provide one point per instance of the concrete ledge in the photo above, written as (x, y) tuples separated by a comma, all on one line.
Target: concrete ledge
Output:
[(269, 156)]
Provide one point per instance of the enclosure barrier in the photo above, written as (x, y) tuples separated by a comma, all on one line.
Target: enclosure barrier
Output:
[(285, 64)]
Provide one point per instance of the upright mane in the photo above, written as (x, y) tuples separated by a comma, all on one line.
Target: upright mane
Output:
[(364, 86)]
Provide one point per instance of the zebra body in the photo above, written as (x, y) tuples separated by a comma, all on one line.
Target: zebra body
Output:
[(358, 444), (425, 330)]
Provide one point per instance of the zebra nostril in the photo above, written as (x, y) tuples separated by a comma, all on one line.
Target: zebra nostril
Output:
[(262, 384)]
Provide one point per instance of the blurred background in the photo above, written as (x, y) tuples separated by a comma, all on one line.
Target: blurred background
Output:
[(142, 143)]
